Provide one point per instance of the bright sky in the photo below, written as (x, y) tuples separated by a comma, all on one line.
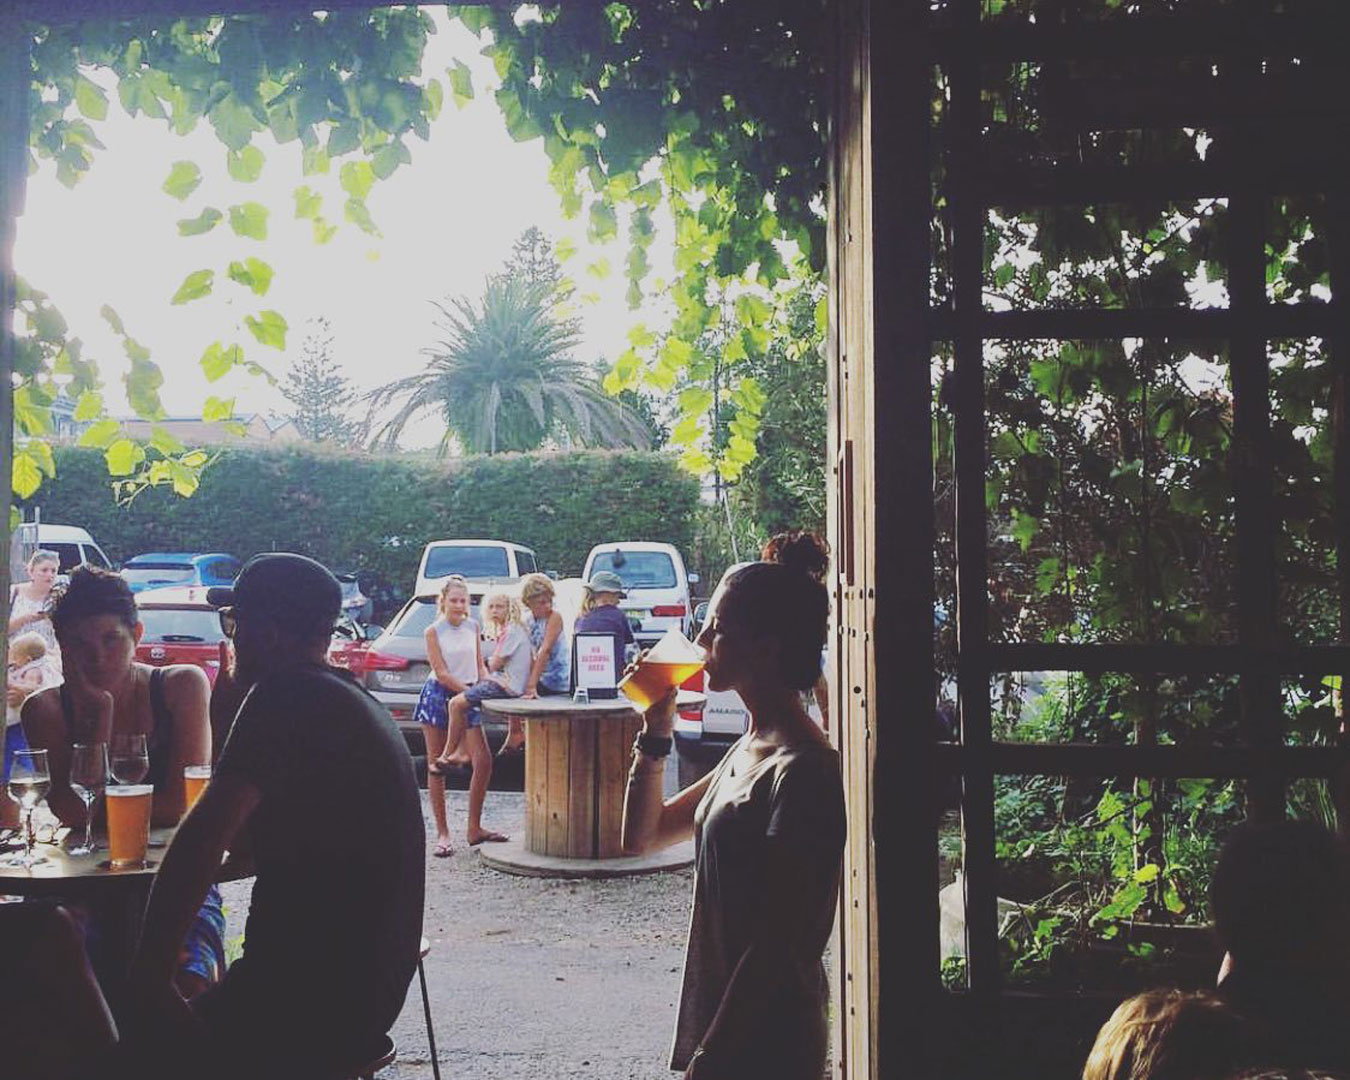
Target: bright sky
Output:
[(448, 220)]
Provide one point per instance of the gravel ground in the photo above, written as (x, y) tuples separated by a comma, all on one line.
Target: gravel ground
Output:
[(534, 978)]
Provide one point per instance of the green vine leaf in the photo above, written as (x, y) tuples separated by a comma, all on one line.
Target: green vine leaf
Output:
[(218, 360), (245, 165), (252, 274), (183, 179), (204, 222), (461, 83), (356, 178), (269, 328), (25, 475), (249, 220), (123, 456), (217, 410), (323, 231), (196, 285), (356, 212), (307, 202), (101, 434), (90, 98), (89, 406)]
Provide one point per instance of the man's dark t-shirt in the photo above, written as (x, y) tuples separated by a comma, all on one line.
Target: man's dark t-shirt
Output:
[(336, 915), (608, 619)]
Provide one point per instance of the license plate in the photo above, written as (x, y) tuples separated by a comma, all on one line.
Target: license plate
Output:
[(400, 678), (638, 616)]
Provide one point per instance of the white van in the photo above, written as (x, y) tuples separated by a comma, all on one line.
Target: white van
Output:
[(72, 545), (473, 560), (657, 583)]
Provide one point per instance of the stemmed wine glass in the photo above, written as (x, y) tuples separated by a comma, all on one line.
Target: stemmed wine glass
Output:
[(88, 778), (29, 782), (130, 759)]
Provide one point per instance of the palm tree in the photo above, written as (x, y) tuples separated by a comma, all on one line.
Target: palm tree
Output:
[(503, 378)]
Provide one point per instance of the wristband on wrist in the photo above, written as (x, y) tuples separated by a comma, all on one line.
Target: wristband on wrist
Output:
[(653, 746)]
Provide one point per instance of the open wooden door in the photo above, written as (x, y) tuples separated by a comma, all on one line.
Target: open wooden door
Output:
[(881, 528)]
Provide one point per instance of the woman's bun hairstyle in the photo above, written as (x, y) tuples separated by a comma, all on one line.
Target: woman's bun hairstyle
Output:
[(783, 596), (801, 551)]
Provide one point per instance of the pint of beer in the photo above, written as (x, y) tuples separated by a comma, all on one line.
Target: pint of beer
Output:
[(195, 778), (671, 660), (128, 823)]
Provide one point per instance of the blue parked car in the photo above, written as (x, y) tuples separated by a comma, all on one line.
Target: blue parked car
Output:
[(156, 569)]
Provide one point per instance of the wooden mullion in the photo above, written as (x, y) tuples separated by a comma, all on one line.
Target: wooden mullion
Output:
[(14, 87), (1168, 659), (972, 592), (1170, 762), (1338, 344), (1308, 319), (905, 845), (1213, 35), (1251, 467)]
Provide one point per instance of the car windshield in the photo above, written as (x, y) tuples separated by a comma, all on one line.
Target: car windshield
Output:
[(189, 625), (158, 574), (469, 562), (638, 569), (415, 619)]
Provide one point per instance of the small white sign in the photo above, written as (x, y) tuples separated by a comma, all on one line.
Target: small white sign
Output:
[(595, 662)]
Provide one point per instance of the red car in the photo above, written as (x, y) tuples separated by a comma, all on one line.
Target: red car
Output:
[(180, 628)]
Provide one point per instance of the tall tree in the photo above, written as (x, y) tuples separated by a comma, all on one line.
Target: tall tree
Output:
[(503, 378), (320, 395)]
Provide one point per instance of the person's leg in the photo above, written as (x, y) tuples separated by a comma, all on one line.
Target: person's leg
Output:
[(478, 785), (58, 1020), (515, 736), (435, 739), (454, 753)]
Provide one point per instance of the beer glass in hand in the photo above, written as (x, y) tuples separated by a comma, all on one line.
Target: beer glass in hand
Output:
[(668, 663), (29, 782), (88, 778)]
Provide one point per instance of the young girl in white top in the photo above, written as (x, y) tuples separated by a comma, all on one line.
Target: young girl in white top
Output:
[(507, 671), (456, 658)]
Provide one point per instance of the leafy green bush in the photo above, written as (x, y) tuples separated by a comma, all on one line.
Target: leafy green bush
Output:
[(374, 514)]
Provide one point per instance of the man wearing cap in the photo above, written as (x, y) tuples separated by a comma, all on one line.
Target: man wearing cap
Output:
[(317, 777), (604, 617)]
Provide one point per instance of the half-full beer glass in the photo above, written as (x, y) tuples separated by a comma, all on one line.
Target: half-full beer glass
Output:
[(128, 808), (195, 778), (671, 660)]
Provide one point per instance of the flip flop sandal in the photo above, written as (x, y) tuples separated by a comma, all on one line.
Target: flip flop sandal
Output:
[(442, 851), (490, 838)]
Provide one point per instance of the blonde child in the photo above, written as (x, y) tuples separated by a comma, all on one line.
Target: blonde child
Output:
[(30, 669), (505, 677)]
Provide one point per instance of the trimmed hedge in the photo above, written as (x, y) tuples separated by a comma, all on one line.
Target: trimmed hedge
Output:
[(374, 514)]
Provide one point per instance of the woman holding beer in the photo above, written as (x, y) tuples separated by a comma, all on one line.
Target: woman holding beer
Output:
[(107, 693), (768, 829)]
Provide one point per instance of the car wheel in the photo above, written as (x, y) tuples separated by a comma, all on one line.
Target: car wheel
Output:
[(690, 769)]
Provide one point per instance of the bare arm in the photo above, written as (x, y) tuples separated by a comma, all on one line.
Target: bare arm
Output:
[(649, 823), (551, 632), (45, 729), (190, 866), (187, 694), (479, 666)]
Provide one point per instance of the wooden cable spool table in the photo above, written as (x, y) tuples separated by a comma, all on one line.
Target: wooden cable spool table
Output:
[(577, 756)]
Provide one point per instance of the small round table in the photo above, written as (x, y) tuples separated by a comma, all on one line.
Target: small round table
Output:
[(577, 756)]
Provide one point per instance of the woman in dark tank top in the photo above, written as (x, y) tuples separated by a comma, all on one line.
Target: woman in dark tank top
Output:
[(108, 692), (768, 825)]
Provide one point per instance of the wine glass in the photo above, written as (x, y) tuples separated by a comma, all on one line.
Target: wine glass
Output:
[(130, 759), (88, 778), (29, 782)]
